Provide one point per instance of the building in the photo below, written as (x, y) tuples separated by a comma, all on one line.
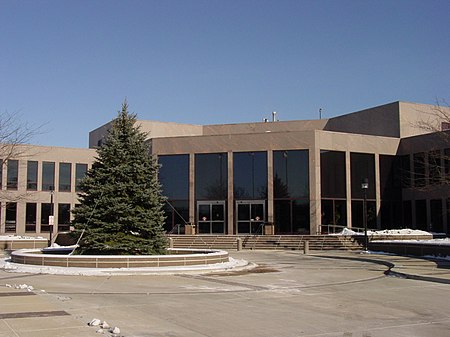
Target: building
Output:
[(283, 177)]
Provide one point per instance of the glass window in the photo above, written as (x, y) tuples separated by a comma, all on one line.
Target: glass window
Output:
[(434, 167), (211, 176), (437, 216), (291, 174), (334, 212), (174, 176), (421, 215), (12, 174), (250, 175), (362, 166), (80, 173), (48, 176), (405, 171), (11, 217), (65, 173), (332, 174), (419, 169), (390, 187), (177, 215), (63, 217), (30, 217), (46, 211), (32, 175)]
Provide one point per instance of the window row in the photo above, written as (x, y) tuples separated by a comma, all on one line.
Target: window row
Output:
[(47, 213), (47, 175)]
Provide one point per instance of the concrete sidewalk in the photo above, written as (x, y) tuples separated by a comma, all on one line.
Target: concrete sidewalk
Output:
[(289, 294)]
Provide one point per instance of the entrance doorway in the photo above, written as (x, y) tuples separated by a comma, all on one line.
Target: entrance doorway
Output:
[(250, 216), (211, 217)]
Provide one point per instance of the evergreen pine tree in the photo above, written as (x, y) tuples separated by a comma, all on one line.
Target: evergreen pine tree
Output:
[(121, 206)]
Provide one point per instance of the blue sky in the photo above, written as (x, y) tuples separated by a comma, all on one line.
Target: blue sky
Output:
[(68, 65)]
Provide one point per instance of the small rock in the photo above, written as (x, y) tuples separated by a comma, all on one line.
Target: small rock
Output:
[(100, 331), (115, 330), (94, 322), (105, 325), (8, 285)]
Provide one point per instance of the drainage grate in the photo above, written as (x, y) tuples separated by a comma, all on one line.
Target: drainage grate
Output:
[(33, 314)]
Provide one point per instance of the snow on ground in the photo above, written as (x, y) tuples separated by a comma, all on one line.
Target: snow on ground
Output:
[(232, 264), (405, 231), (20, 237)]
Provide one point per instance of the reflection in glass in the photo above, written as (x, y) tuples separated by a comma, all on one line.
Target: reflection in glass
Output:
[(332, 174), (80, 173), (362, 165), (48, 176), (12, 174), (250, 175), (32, 175), (65, 172), (11, 217), (291, 174), (30, 217), (174, 176), (63, 217), (211, 176)]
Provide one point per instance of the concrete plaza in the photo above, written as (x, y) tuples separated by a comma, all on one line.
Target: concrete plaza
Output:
[(288, 294)]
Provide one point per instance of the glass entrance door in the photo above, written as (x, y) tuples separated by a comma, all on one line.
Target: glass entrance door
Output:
[(211, 217), (250, 216)]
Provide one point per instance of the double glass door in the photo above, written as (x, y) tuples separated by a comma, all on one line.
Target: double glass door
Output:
[(211, 217), (250, 216)]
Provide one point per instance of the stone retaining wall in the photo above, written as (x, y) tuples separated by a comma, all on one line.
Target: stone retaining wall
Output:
[(177, 257), (23, 244)]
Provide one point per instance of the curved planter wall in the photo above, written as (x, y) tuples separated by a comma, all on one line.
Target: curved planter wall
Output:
[(177, 257)]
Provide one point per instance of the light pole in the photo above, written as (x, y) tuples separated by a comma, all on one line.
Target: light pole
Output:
[(365, 187)]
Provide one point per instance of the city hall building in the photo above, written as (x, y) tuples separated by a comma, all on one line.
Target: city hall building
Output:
[(269, 177)]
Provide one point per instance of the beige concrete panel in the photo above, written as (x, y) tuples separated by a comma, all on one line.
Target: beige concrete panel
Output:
[(377, 190), (357, 143), (235, 143), (192, 208), (314, 188), (261, 127)]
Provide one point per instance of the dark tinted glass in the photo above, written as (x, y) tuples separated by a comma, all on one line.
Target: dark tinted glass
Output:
[(291, 174), (419, 169), (250, 175), (434, 167), (211, 176), (174, 176), (332, 174), (421, 214), (65, 172), (80, 173), (390, 178), (11, 217), (177, 215), (362, 165), (405, 171), (437, 216), (32, 175), (63, 217), (12, 174), (46, 211), (48, 176), (30, 216)]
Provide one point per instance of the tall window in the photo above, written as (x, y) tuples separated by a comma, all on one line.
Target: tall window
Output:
[(362, 166), (419, 169), (250, 175), (12, 174), (32, 175), (46, 211), (174, 178), (11, 217), (80, 173), (211, 176), (291, 191), (30, 217), (48, 176), (65, 173), (63, 217), (333, 188)]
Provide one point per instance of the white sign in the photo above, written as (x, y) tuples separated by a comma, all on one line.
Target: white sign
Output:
[(51, 220)]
